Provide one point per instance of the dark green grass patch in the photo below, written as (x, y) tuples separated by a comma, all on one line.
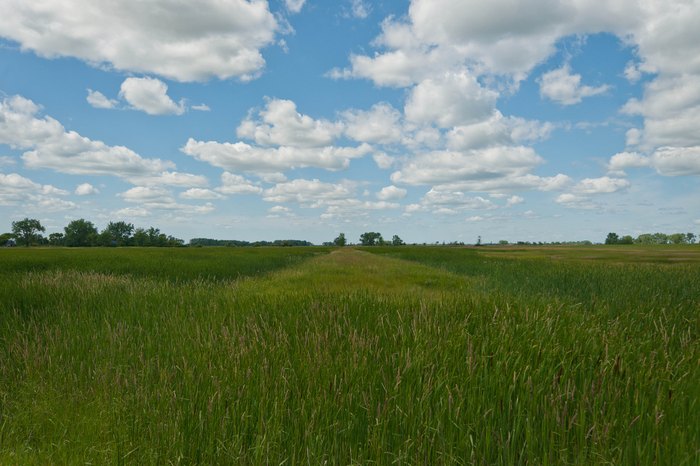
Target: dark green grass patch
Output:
[(159, 263)]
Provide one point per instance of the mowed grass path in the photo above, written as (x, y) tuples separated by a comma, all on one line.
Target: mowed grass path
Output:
[(354, 358)]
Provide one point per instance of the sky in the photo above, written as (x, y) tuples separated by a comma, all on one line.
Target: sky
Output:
[(434, 120)]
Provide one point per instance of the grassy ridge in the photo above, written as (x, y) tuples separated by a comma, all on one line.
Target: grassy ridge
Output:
[(354, 358)]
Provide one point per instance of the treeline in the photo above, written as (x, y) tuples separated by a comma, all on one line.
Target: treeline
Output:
[(652, 238), (198, 242), (83, 233)]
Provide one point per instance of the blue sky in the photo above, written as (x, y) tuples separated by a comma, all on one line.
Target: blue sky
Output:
[(437, 120)]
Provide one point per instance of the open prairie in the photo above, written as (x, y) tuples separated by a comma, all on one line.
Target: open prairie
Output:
[(386, 355)]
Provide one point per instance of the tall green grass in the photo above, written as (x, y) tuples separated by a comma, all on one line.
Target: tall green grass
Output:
[(353, 358)]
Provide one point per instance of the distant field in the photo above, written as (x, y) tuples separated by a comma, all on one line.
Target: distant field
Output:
[(396, 355)]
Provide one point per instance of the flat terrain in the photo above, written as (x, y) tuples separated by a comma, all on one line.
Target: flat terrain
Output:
[(393, 355)]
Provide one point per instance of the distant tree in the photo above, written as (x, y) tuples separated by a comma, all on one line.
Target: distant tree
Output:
[(396, 241), (26, 231), (690, 237), (117, 234), (503, 242), (80, 233), (371, 238), (678, 238), (56, 239), (627, 239), (612, 238), (340, 240), (6, 239)]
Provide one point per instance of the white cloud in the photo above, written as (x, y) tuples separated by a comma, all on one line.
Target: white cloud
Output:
[(313, 193), (280, 124), (497, 130), (86, 189), (565, 88), (150, 95), (186, 41), (390, 193), (514, 200), (381, 124), (16, 190), (360, 9), (6, 160), (49, 145), (129, 212), (449, 100), (576, 201), (449, 202), (146, 194), (201, 108), (479, 165), (99, 100), (150, 199), (671, 108), (383, 160), (177, 179), (600, 185), (294, 6), (279, 209), (200, 194), (667, 161), (236, 184), (240, 156)]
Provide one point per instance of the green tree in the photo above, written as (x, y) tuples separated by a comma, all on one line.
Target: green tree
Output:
[(117, 233), (371, 238), (690, 237), (5, 238), (340, 240), (627, 239), (27, 230), (80, 233), (396, 241), (612, 238), (678, 238), (56, 239)]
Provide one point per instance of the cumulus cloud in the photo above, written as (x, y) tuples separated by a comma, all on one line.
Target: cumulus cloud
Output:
[(565, 88), (86, 189), (169, 178), (185, 41), (478, 165), (381, 124), (449, 100), (236, 184), (150, 95), (449, 202), (514, 200), (313, 193), (150, 199), (390, 193), (279, 123), (49, 145), (294, 6), (99, 100), (283, 139), (360, 9), (18, 190), (667, 161), (200, 194), (600, 185), (240, 156)]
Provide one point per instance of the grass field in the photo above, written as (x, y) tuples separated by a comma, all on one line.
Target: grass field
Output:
[(404, 355)]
